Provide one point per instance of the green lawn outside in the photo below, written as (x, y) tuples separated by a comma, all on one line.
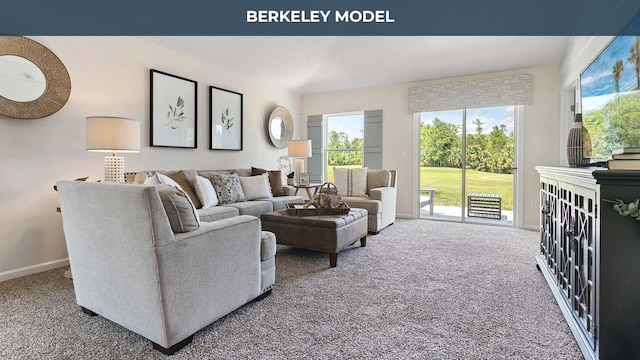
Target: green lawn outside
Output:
[(447, 182)]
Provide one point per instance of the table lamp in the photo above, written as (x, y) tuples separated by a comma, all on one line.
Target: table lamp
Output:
[(299, 150), (113, 134)]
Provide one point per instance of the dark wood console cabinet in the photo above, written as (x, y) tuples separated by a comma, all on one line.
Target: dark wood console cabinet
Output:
[(590, 257)]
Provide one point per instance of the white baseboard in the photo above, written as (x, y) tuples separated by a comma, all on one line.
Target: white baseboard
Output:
[(33, 269), (531, 227)]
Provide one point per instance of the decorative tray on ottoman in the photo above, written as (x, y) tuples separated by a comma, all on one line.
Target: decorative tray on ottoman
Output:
[(298, 209)]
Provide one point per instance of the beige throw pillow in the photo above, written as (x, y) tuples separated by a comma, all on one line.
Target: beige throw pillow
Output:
[(181, 213), (256, 187), (350, 182), (185, 183), (205, 191)]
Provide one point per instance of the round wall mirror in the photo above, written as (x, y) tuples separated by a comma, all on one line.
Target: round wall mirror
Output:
[(34, 82), (22, 80), (280, 127), (277, 128)]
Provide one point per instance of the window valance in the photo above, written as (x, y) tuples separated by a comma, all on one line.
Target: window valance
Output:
[(471, 94)]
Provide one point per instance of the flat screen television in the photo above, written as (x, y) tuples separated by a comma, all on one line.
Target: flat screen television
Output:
[(610, 95)]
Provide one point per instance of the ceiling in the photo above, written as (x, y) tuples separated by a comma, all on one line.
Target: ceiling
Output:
[(313, 65)]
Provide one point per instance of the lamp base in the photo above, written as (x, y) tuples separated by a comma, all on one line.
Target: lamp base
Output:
[(299, 166), (114, 168)]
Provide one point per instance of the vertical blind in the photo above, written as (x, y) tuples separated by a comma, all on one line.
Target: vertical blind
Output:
[(471, 94), (372, 154), (315, 134)]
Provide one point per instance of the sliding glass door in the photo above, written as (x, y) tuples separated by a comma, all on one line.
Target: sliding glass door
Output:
[(441, 175), (467, 165)]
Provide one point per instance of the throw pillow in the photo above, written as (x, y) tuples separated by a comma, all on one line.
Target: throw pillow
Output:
[(181, 178), (275, 180), (256, 187), (350, 182), (378, 178), (152, 180), (181, 213), (205, 191), (140, 177), (227, 187), (165, 180)]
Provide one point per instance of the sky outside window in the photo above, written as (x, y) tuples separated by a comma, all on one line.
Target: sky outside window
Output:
[(490, 117)]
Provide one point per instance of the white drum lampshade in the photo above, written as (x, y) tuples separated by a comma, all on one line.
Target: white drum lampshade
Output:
[(299, 149), (113, 134)]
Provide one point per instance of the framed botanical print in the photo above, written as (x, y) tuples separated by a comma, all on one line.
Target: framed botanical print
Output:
[(174, 112), (225, 119)]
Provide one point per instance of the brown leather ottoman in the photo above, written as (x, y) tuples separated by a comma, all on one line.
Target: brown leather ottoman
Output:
[(325, 233)]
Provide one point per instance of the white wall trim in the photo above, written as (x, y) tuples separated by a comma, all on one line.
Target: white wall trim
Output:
[(518, 189), (33, 269), (405, 216)]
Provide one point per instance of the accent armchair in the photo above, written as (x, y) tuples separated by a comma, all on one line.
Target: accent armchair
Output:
[(379, 198)]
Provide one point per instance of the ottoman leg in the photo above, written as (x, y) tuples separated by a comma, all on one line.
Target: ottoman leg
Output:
[(363, 241), (333, 259)]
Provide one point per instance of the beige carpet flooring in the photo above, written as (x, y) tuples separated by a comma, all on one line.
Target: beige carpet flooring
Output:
[(419, 290)]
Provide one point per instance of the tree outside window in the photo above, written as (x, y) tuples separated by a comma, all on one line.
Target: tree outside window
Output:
[(345, 142)]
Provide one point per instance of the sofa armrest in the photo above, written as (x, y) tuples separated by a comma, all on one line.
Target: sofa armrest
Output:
[(289, 190), (206, 229), (387, 197), (383, 194), (209, 272)]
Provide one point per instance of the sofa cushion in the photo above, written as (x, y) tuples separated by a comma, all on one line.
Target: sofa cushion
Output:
[(181, 212), (256, 187), (205, 192), (241, 172), (205, 173), (378, 178), (275, 180), (350, 182), (217, 213), (227, 187), (254, 207), (280, 202), (372, 206), (185, 183)]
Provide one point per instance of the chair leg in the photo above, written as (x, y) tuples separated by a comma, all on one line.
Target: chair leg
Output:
[(87, 311), (172, 349), (264, 294)]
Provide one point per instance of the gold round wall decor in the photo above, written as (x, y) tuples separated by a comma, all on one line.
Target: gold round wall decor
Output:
[(37, 61)]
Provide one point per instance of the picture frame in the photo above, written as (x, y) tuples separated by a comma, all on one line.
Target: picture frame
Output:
[(225, 119), (173, 110), (304, 178)]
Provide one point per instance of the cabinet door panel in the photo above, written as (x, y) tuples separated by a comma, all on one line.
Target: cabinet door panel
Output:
[(584, 254), (548, 222)]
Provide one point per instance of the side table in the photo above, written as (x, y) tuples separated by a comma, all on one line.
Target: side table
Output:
[(308, 188)]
